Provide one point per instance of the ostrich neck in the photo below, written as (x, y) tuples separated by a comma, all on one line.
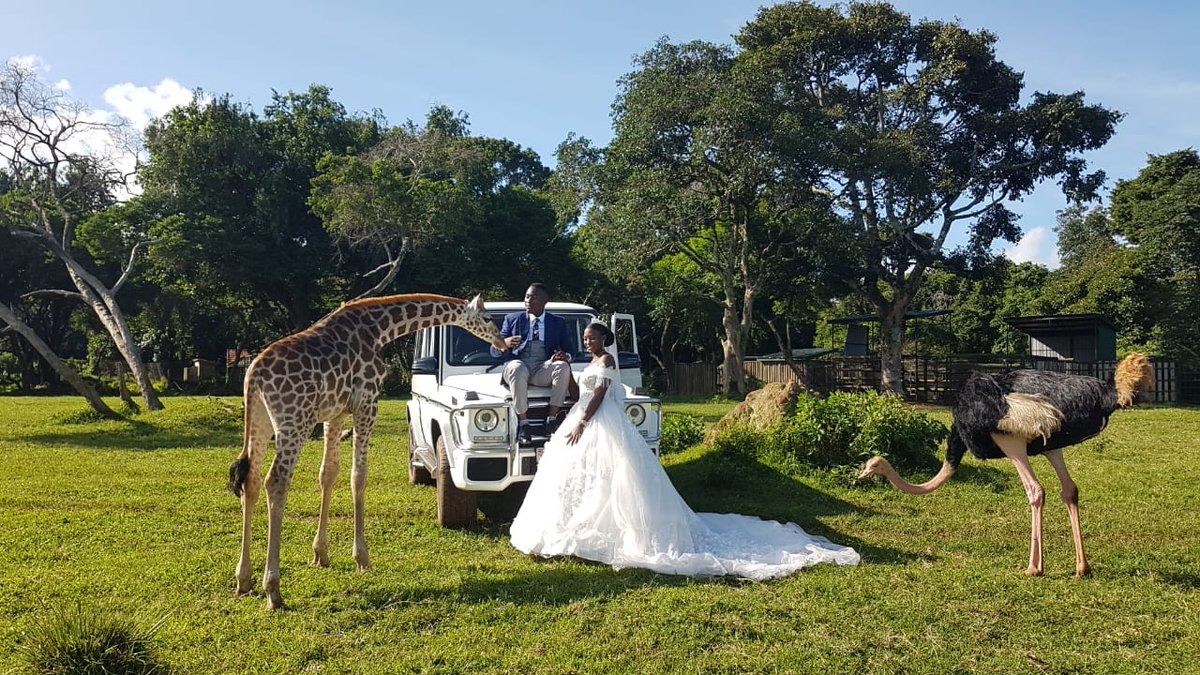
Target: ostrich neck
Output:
[(924, 488)]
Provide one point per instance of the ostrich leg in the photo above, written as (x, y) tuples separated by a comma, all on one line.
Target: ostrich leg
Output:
[(1014, 449), (1070, 497)]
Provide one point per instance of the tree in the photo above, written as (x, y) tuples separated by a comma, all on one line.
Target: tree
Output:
[(226, 194), (1159, 213), (65, 164), (454, 205), (922, 128), (704, 164)]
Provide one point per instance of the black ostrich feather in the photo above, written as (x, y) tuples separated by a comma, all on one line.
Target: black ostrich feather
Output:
[(1085, 404)]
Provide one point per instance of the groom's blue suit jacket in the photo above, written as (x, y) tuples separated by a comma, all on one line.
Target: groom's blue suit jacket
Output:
[(555, 337)]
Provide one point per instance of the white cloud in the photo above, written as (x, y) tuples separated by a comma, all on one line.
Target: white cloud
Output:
[(140, 105), (1038, 245), (104, 132), (31, 62)]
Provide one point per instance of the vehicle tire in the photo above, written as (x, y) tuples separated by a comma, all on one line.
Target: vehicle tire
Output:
[(417, 475), (502, 507), (455, 508)]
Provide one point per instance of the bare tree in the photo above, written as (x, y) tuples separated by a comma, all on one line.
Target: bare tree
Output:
[(66, 162), (72, 378)]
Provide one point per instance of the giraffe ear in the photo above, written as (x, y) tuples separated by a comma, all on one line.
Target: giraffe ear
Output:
[(477, 302)]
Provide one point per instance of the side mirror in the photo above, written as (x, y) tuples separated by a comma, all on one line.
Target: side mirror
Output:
[(426, 365)]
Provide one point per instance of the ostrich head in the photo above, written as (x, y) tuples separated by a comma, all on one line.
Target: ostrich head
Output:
[(875, 467)]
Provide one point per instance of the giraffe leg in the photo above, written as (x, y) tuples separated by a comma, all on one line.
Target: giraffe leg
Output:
[(1014, 449), (328, 478), (258, 435), (1070, 497), (279, 479), (364, 422)]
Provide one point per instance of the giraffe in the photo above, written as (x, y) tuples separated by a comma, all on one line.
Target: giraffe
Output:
[(331, 371)]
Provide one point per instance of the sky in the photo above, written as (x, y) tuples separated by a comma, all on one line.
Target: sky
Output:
[(534, 72)]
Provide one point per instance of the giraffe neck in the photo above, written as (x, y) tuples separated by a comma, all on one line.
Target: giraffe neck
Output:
[(382, 320)]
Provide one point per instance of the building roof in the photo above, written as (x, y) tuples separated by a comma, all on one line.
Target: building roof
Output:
[(916, 314), (807, 354), (1057, 323)]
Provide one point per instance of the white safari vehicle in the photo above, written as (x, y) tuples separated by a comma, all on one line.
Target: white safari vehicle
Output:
[(462, 425)]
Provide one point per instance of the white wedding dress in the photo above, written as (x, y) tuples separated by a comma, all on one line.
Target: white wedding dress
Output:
[(608, 499)]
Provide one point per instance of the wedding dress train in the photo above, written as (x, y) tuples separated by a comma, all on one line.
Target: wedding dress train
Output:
[(608, 499)]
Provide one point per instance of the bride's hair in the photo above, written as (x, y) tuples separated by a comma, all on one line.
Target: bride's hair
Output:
[(604, 330)]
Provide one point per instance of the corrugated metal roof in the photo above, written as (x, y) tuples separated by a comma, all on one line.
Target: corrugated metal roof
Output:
[(916, 314), (1056, 323)]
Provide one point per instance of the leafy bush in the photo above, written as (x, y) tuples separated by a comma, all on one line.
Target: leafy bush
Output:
[(841, 432), (680, 432), (85, 641)]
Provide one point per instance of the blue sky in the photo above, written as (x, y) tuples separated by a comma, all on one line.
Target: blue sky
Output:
[(535, 71)]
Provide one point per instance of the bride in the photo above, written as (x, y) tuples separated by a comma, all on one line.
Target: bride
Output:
[(601, 494)]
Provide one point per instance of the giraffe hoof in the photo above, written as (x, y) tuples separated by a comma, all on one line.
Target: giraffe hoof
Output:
[(275, 602), (1083, 572), (1033, 572), (245, 587), (320, 560)]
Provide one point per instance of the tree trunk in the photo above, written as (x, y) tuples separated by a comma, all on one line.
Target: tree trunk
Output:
[(785, 347), (123, 388), (891, 348), (733, 375), (105, 306), (70, 376)]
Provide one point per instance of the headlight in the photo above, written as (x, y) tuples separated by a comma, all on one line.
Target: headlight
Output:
[(637, 414), (486, 419)]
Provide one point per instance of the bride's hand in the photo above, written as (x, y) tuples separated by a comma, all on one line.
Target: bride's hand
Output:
[(575, 434)]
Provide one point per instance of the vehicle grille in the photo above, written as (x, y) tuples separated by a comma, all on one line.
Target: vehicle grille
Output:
[(487, 468)]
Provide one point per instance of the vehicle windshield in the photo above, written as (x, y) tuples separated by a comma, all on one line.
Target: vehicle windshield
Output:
[(467, 350)]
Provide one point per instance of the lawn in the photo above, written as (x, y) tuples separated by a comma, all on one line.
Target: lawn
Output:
[(133, 517)]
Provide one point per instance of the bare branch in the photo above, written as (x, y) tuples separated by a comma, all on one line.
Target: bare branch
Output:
[(55, 292)]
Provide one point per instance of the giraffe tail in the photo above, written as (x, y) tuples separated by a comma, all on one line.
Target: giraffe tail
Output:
[(239, 471)]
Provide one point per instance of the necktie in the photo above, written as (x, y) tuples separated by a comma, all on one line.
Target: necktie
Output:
[(535, 330)]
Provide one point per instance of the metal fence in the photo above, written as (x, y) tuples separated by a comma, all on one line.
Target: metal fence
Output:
[(927, 379)]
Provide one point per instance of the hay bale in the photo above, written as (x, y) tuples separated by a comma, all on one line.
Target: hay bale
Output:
[(761, 409)]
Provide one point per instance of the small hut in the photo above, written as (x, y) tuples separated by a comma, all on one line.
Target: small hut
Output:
[(1083, 338)]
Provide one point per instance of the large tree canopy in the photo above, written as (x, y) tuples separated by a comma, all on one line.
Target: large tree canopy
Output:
[(706, 164), (1159, 212), (922, 128)]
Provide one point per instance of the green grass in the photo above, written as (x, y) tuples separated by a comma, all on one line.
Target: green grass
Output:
[(133, 517)]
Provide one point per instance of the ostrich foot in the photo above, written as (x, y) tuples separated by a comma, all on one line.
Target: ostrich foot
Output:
[(1032, 571), (1083, 571)]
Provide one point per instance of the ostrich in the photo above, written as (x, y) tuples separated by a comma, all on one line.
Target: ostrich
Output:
[(1031, 412)]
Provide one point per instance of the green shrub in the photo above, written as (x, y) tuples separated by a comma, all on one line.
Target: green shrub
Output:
[(839, 433), (85, 641), (680, 432)]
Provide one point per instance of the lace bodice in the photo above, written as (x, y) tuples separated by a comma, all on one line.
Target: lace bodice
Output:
[(597, 375)]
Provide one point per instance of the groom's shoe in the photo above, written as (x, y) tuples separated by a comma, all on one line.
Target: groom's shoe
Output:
[(552, 424), (524, 433)]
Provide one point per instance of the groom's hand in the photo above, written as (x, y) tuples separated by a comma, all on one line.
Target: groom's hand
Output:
[(513, 341), (560, 355)]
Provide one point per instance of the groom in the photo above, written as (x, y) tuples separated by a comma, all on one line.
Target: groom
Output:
[(538, 353)]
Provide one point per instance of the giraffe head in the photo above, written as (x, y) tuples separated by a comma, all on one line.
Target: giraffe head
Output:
[(476, 319)]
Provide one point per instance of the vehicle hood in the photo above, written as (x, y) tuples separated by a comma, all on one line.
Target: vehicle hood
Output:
[(487, 385)]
